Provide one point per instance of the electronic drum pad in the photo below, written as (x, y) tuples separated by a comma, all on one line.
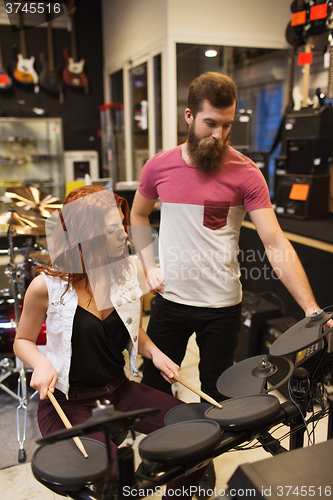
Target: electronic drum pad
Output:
[(300, 336), (248, 377), (246, 412)]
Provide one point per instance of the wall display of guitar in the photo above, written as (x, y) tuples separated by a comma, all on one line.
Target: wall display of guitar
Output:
[(50, 78), (24, 71), (5, 80), (73, 74)]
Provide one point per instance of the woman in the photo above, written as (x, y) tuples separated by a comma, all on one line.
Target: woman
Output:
[(90, 300)]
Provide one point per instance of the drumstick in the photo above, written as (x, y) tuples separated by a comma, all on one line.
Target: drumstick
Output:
[(197, 391), (66, 422)]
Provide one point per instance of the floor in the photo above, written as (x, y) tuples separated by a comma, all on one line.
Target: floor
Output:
[(18, 483)]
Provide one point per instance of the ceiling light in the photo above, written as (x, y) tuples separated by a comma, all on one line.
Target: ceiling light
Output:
[(211, 53)]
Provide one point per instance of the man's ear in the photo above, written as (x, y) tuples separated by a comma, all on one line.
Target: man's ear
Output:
[(188, 116)]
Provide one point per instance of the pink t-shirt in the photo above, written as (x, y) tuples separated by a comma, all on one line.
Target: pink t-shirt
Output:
[(201, 216)]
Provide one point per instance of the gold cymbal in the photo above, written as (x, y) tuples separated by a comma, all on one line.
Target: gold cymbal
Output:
[(30, 198), (23, 225)]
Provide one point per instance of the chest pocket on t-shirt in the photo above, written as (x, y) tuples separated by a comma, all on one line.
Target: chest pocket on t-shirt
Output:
[(215, 213)]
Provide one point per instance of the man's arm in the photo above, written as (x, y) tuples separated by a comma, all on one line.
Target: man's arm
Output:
[(283, 258), (142, 238)]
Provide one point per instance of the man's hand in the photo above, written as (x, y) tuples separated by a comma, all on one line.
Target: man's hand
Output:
[(155, 280)]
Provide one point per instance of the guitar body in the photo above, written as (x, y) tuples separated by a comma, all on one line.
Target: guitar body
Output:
[(49, 80), (24, 71), (73, 74), (5, 80)]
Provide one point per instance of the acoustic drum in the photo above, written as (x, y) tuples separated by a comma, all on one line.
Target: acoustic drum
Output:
[(60, 466), (180, 443), (245, 412)]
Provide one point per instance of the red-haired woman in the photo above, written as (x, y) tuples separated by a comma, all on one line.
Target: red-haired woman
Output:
[(90, 299)]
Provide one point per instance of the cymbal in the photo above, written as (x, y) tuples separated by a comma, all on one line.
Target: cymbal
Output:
[(301, 335), (31, 198), (23, 225), (248, 377), (114, 421)]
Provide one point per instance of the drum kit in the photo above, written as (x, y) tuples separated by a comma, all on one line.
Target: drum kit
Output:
[(26, 220), (196, 433)]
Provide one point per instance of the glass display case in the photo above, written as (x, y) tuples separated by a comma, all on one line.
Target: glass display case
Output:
[(31, 154)]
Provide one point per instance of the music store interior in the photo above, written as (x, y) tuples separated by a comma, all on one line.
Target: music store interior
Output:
[(89, 91)]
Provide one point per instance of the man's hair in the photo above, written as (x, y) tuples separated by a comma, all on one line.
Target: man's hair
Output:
[(218, 89)]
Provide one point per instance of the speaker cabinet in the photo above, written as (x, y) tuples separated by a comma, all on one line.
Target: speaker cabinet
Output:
[(302, 196), (309, 123), (240, 137), (255, 312), (308, 156)]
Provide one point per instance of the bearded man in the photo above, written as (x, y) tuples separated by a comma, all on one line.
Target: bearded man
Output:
[(206, 187)]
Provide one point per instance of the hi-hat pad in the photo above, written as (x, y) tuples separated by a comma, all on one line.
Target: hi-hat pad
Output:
[(300, 336), (248, 377)]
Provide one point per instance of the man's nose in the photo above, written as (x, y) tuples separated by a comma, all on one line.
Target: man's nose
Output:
[(217, 133)]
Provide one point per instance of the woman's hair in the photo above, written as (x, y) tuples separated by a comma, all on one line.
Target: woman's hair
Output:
[(78, 236), (218, 89)]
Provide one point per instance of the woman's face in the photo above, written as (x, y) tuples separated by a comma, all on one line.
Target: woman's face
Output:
[(115, 233)]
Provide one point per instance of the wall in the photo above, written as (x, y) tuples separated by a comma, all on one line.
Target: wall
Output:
[(80, 114), (243, 23)]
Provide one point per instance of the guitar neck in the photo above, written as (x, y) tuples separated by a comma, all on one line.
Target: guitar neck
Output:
[(306, 78), (50, 50), (290, 104), (23, 43), (73, 40), (330, 75)]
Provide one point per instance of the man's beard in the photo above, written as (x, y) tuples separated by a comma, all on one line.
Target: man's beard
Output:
[(207, 155)]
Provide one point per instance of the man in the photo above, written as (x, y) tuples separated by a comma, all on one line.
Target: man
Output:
[(206, 187)]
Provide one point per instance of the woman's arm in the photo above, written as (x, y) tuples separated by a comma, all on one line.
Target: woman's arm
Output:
[(35, 305), (149, 350)]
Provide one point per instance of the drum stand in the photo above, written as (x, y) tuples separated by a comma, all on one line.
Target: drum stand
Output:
[(9, 369)]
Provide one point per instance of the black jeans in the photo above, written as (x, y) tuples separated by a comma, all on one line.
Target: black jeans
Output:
[(170, 327)]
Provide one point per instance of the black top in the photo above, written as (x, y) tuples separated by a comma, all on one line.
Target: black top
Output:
[(97, 347)]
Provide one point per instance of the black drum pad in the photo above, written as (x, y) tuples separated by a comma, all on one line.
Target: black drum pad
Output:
[(186, 412), (62, 464), (245, 412), (178, 443)]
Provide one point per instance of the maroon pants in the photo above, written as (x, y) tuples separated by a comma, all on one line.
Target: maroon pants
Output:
[(125, 395)]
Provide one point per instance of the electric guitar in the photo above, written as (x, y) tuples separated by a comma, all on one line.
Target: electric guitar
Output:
[(49, 78), (299, 24), (5, 80), (73, 74), (24, 71), (302, 99)]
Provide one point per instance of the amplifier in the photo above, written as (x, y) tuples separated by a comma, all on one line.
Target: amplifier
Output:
[(240, 137), (308, 156), (260, 158), (309, 123), (255, 312), (302, 196)]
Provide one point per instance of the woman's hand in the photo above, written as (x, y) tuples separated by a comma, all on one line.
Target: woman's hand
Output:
[(44, 378), (166, 366)]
